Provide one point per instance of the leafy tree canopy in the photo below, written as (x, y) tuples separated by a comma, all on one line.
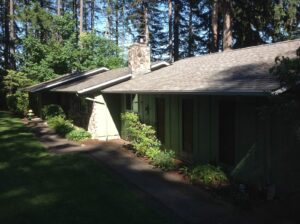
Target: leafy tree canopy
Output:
[(52, 48)]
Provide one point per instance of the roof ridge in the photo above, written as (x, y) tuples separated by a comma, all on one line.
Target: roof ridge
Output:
[(240, 49)]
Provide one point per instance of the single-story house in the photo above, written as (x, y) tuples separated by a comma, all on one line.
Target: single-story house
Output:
[(79, 94), (207, 109)]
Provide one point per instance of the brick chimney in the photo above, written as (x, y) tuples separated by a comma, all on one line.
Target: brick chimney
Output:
[(139, 58)]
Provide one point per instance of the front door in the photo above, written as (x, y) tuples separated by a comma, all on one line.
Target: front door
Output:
[(227, 131), (187, 125), (160, 119)]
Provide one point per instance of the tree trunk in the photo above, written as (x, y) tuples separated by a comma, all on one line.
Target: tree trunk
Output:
[(92, 14), (190, 38), (58, 7), (85, 17), (26, 27), (117, 22), (227, 26), (214, 26), (81, 18), (109, 26), (176, 29), (170, 6), (146, 31), (12, 35), (6, 35)]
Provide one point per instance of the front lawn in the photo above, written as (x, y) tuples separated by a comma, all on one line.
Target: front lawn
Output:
[(39, 187)]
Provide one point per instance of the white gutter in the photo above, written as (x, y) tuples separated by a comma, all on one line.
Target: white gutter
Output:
[(102, 69), (105, 84)]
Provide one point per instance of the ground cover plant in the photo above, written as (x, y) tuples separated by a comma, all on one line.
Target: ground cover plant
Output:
[(208, 175), (40, 187), (56, 119), (78, 134), (61, 125)]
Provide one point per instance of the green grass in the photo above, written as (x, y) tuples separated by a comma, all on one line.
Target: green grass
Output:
[(40, 187)]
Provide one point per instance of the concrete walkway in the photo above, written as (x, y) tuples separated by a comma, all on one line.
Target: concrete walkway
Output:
[(169, 191)]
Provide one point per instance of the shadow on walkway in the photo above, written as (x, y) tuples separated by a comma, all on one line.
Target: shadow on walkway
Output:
[(166, 191)]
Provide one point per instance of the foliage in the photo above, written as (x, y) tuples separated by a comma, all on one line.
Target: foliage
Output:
[(95, 51), (145, 142), (163, 159), (52, 110), (18, 103), (60, 125), (78, 134), (287, 70), (58, 50), (142, 136), (15, 80), (206, 174)]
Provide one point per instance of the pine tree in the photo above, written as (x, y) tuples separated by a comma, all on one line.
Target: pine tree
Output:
[(227, 25), (214, 25)]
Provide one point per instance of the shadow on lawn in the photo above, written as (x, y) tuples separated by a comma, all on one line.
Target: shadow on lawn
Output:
[(39, 187)]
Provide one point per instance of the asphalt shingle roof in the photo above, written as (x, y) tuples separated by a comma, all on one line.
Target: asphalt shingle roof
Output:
[(93, 81), (64, 79), (241, 71)]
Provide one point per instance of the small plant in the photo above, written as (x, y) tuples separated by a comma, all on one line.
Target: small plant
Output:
[(78, 134), (164, 160), (60, 125), (52, 110), (206, 174)]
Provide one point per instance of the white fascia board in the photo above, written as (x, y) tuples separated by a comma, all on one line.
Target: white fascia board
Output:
[(105, 84), (159, 64), (102, 69), (282, 89), (93, 100)]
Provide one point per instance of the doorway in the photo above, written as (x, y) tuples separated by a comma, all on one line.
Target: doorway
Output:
[(160, 119), (227, 122), (187, 125)]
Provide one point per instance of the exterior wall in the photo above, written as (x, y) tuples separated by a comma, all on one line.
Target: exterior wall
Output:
[(265, 151), (104, 121), (101, 120)]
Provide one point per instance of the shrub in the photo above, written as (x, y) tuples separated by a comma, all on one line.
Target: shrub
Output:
[(145, 142), (206, 174), (60, 125), (52, 110), (142, 136), (164, 160), (18, 103), (78, 134)]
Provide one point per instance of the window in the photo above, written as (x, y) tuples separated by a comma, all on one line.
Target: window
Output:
[(129, 101), (132, 103)]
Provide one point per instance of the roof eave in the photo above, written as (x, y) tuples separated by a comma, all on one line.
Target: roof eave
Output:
[(183, 92)]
